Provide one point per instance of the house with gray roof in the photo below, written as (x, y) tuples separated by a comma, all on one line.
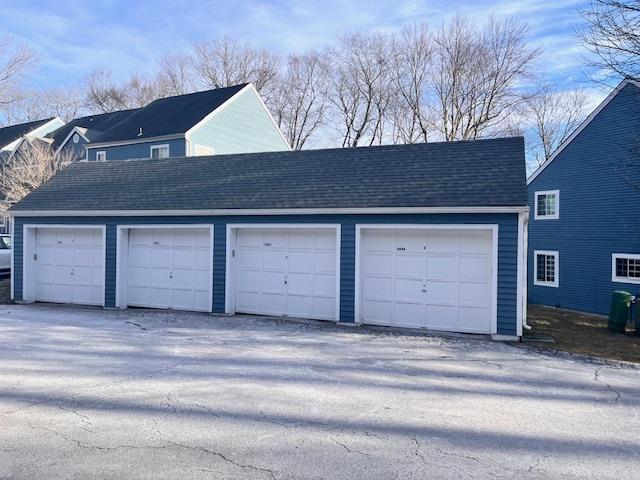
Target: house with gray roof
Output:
[(428, 236), (224, 120), (11, 137)]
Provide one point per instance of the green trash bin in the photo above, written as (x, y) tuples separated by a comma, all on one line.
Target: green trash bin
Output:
[(620, 311)]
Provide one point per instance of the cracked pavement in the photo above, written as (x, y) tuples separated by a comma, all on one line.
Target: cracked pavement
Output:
[(92, 393)]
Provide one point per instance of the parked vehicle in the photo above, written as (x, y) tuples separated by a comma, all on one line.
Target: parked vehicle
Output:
[(5, 256)]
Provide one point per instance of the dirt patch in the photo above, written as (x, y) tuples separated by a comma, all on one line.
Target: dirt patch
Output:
[(581, 333)]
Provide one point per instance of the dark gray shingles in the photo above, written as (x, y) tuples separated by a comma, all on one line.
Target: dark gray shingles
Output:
[(455, 174)]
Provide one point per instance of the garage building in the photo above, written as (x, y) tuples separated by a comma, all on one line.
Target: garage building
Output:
[(422, 236)]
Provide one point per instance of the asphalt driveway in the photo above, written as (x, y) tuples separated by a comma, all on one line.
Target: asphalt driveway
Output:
[(87, 393)]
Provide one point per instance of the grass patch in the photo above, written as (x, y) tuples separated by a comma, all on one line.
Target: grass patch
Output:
[(582, 333)]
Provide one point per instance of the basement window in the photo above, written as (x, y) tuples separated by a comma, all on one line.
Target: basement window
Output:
[(547, 205), (546, 268), (625, 268)]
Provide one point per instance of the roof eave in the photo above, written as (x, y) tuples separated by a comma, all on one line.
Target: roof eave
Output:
[(272, 211)]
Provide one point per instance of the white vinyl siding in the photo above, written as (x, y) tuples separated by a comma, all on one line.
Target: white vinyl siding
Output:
[(547, 205), (546, 267), (625, 268)]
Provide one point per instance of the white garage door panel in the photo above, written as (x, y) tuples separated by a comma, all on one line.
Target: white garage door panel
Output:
[(70, 265), (169, 268), (286, 272), (427, 278)]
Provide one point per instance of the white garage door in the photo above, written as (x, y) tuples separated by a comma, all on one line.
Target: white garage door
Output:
[(170, 268), (286, 272), (69, 265), (419, 278)]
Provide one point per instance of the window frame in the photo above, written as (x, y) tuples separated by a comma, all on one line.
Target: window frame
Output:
[(209, 151), (614, 277), (104, 156), (556, 259), (556, 215), (159, 147)]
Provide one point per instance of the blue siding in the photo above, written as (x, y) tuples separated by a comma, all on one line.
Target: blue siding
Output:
[(219, 266), (597, 175), (347, 271), (74, 151), (507, 252), (110, 266), (138, 150)]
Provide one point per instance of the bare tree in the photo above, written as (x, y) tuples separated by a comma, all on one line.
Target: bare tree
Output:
[(105, 95), (413, 119), (476, 75), (15, 60), (64, 102), (554, 116), (362, 92), (612, 34), (175, 74), (32, 164), (301, 99), (223, 61)]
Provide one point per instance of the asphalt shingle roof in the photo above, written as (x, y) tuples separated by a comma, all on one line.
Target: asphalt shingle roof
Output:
[(13, 132), (455, 174), (99, 122), (167, 116)]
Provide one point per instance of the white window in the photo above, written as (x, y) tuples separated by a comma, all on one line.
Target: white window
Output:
[(546, 268), (547, 205), (201, 150), (159, 151), (101, 156), (625, 268)]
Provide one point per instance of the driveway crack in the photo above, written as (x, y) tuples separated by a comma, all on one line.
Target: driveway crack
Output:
[(596, 377)]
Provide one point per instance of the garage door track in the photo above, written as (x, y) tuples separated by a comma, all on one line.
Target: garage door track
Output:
[(88, 393)]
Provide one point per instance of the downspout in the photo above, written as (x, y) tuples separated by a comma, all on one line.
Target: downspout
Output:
[(525, 239)]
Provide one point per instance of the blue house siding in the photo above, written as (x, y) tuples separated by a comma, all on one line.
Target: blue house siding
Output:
[(138, 150), (597, 176), (347, 271), (219, 266), (74, 151), (507, 251), (240, 126)]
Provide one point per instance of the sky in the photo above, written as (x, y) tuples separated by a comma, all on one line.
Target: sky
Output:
[(75, 37)]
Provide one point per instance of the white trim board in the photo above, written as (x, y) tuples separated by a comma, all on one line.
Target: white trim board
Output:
[(266, 211), (28, 242), (159, 146), (173, 136), (581, 127), (229, 289), (614, 277), (556, 215), (493, 228), (549, 253), (74, 130)]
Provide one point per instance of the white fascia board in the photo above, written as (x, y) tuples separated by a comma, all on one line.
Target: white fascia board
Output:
[(580, 128), (278, 211), (134, 141)]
